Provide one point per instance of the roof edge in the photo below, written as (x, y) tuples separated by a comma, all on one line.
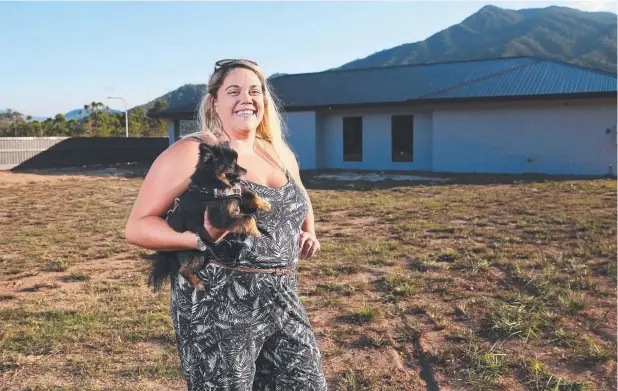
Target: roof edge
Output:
[(428, 101), (186, 113)]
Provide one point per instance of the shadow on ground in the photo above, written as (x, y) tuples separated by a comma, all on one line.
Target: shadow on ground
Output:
[(126, 170), (352, 180), (313, 179)]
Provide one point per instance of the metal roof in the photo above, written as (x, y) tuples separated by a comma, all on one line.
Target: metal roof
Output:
[(537, 78), (383, 84), (508, 77)]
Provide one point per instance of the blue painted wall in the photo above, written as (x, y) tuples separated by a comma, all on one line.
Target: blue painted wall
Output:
[(542, 137), (551, 138), (376, 141), (302, 130)]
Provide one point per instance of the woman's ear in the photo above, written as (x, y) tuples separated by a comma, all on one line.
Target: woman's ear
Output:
[(213, 101)]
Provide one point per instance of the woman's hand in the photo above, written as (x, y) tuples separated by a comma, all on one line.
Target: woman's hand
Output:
[(309, 245)]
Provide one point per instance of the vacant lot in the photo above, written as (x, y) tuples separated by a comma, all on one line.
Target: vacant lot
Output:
[(418, 287)]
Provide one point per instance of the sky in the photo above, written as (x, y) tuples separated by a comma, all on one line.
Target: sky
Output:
[(59, 56)]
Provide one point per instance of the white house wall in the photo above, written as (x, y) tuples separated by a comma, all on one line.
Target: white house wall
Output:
[(376, 141), (551, 138)]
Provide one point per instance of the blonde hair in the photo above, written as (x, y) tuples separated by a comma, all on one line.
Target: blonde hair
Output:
[(271, 129)]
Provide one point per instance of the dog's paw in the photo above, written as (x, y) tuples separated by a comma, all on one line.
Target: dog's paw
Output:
[(263, 204)]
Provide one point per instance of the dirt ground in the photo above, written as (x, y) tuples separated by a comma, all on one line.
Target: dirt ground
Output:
[(491, 282)]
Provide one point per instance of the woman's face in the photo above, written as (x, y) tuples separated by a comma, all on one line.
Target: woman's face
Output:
[(240, 102)]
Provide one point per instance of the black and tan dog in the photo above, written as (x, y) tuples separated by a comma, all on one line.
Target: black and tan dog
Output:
[(215, 185)]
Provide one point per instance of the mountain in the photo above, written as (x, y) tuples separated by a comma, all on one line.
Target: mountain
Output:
[(81, 113), (558, 33), (181, 96)]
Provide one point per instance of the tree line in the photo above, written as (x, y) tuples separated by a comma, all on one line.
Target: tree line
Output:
[(96, 121)]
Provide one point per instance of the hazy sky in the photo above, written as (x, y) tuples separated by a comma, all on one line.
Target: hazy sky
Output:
[(60, 56)]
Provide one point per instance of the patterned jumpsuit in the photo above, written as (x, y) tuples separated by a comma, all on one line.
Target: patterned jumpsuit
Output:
[(249, 331)]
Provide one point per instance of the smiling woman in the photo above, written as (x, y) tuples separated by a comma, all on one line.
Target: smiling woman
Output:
[(248, 329), (241, 114)]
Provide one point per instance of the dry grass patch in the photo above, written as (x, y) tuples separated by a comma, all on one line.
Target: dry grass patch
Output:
[(506, 285)]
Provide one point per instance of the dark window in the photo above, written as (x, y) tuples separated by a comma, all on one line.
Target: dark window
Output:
[(353, 139), (402, 138)]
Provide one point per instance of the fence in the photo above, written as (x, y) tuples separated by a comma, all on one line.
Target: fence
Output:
[(50, 152)]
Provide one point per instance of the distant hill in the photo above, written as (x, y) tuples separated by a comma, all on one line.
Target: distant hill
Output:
[(558, 33), (34, 118), (81, 113), (179, 97)]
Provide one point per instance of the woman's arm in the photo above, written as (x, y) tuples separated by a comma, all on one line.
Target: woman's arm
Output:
[(309, 224), (168, 177)]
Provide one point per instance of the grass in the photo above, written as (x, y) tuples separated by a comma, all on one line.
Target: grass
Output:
[(355, 380), (539, 378), (462, 286), (400, 285), (365, 314)]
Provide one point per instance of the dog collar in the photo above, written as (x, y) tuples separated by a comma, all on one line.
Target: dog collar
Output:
[(233, 192)]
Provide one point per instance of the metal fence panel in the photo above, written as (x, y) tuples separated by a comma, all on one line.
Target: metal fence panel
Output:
[(49, 152)]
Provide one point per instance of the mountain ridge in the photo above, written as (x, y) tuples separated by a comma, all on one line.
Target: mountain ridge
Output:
[(490, 22), (555, 33)]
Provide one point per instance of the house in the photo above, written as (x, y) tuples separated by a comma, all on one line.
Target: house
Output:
[(502, 115)]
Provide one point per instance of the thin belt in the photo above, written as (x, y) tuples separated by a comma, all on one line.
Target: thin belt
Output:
[(277, 272)]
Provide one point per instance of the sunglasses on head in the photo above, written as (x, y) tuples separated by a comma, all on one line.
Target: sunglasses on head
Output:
[(227, 62)]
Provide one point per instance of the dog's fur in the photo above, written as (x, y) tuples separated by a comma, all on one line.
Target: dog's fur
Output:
[(217, 168)]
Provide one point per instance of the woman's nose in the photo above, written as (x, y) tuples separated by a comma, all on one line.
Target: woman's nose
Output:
[(246, 96)]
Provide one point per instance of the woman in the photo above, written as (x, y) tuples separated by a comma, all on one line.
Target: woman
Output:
[(248, 329)]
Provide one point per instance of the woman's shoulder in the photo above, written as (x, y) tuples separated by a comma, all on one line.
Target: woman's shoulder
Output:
[(185, 150), (201, 137), (289, 158)]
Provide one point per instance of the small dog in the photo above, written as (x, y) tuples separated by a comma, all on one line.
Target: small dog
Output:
[(215, 185)]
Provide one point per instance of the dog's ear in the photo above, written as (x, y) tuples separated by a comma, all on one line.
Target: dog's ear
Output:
[(206, 153)]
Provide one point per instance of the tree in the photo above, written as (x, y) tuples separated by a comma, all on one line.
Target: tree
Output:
[(59, 126), (97, 120), (156, 126)]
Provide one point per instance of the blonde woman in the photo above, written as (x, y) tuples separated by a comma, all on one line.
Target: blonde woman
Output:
[(248, 329)]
